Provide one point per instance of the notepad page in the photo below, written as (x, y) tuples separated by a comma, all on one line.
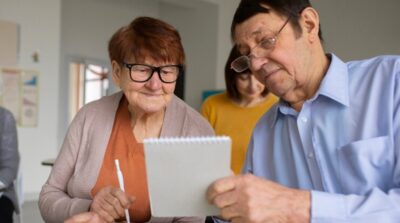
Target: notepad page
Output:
[(179, 171)]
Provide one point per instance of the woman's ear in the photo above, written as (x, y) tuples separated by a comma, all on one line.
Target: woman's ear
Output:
[(309, 21), (116, 73)]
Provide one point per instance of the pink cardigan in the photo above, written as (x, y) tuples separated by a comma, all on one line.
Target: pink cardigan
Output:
[(75, 171)]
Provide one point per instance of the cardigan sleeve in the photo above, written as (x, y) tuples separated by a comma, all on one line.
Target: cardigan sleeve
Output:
[(55, 203), (67, 190)]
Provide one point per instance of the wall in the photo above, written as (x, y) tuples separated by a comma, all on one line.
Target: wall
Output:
[(39, 22), (359, 29), (208, 39), (195, 21), (206, 36), (226, 9)]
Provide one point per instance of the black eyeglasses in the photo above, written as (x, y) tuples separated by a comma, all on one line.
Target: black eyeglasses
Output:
[(143, 72), (267, 44)]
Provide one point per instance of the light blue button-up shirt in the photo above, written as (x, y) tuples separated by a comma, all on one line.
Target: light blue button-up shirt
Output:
[(344, 144)]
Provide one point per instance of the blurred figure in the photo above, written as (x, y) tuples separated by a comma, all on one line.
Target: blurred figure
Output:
[(147, 58), (9, 164), (236, 111)]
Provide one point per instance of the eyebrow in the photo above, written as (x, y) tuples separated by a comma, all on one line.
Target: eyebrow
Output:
[(259, 31), (256, 32)]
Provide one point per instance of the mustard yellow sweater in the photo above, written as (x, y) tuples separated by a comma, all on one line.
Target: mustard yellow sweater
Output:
[(237, 122)]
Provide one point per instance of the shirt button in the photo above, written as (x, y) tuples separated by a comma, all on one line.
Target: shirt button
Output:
[(310, 155), (304, 119)]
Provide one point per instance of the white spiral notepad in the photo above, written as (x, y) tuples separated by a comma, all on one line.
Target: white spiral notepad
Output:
[(179, 170)]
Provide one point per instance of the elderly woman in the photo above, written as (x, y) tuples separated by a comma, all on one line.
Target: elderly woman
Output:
[(235, 112), (147, 57)]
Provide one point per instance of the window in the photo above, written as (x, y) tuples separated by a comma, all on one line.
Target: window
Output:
[(88, 82)]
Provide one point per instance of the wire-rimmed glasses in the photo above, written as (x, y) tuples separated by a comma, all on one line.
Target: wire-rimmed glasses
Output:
[(143, 72), (266, 44)]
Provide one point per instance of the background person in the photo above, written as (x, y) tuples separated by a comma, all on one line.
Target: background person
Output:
[(147, 57), (329, 151), (236, 111), (9, 164)]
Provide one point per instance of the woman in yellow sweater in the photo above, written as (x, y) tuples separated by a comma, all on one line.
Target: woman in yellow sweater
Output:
[(236, 111)]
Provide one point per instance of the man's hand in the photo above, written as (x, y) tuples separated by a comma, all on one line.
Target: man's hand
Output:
[(110, 203), (247, 198), (86, 217)]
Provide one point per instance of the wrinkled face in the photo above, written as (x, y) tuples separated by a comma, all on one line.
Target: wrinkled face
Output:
[(283, 68), (249, 87), (148, 97)]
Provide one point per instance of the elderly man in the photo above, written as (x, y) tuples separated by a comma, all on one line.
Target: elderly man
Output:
[(329, 151)]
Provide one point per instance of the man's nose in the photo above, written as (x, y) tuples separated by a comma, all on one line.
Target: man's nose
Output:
[(257, 62)]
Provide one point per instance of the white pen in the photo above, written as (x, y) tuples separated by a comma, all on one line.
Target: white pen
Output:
[(121, 185)]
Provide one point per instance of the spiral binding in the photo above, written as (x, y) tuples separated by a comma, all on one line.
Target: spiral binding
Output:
[(184, 140)]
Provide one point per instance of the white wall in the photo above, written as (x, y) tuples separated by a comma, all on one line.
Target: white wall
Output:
[(215, 42), (196, 23), (359, 29), (226, 9), (39, 22)]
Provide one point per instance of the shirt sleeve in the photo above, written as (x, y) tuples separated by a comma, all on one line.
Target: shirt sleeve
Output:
[(377, 206)]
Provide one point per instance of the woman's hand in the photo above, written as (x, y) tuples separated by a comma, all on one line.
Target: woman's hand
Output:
[(110, 203), (86, 217)]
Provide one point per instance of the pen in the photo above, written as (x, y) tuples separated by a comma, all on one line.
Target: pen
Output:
[(121, 185)]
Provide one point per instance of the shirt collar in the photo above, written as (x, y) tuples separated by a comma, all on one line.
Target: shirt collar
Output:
[(335, 85)]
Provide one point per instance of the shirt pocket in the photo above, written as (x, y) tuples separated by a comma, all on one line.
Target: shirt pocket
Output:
[(366, 164)]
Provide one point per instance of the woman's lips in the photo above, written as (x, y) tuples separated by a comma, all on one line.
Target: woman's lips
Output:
[(151, 94)]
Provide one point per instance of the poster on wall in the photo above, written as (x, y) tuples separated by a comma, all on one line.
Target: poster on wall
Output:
[(29, 98), (10, 90), (19, 92), (9, 43)]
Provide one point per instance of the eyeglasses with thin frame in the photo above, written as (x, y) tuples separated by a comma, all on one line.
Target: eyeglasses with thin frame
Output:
[(242, 63), (143, 72)]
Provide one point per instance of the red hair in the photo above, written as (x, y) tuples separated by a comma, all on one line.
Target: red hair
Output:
[(146, 37)]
